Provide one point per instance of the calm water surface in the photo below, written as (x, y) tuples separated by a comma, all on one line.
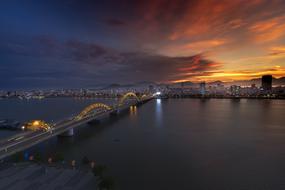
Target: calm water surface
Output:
[(195, 144)]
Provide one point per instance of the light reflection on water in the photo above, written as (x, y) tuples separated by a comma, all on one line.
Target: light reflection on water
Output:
[(158, 113), (133, 110)]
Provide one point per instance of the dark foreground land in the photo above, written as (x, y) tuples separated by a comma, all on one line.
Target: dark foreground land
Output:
[(31, 176)]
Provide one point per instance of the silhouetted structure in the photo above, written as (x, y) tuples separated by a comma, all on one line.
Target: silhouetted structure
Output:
[(266, 82), (202, 88)]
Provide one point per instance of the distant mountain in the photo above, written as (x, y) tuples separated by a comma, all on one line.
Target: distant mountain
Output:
[(256, 81), (114, 85), (188, 83), (218, 82), (145, 83), (280, 81), (138, 84), (185, 83)]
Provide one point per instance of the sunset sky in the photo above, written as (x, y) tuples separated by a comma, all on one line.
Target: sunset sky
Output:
[(80, 43)]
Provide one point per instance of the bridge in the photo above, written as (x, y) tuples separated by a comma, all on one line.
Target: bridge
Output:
[(38, 131)]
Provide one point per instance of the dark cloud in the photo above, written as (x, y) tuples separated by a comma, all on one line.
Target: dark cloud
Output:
[(47, 46), (153, 67), (83, 52), (115, 22), (82, 61)]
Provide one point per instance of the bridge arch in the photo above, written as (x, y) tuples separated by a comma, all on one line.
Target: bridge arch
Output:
[(91, 108), (143, 96), (128, 95)]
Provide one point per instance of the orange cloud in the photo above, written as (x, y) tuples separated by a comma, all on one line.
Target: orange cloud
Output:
[(269, 30), (242, 75), (206, 44), (193, 47), (277, 50), (264, 26), (197, 62), (206, 17), (234, 36), (236, 23)]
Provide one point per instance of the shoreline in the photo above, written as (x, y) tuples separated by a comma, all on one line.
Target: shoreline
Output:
[(196, 97)]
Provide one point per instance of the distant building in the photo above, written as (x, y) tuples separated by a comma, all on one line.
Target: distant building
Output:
[(151, 89), (266, 81), (202, 88), (235, 90)]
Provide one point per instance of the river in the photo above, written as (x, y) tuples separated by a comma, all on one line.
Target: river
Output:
[(174, 144)]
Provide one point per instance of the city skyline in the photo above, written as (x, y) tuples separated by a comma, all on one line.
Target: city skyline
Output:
[(86, 43)]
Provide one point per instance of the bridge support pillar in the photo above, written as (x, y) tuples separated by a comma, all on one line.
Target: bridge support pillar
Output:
[(93, 122), (115, 112), (68, 133)]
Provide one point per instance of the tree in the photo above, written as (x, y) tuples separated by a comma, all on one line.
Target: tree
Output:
[(99, 170), (17, 157), (106, 183), (37, 157), (85, 160), (58, 157)]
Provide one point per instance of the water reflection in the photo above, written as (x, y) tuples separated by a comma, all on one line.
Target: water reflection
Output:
[(158, 112), (133, 110), (158, 101)]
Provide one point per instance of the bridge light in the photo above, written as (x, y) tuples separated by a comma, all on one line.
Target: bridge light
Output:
[(36, 123), (23, 127), (157, 94)]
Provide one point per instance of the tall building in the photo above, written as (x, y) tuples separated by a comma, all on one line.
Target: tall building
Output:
[(202, 88), (266, 82), (151, 89)]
